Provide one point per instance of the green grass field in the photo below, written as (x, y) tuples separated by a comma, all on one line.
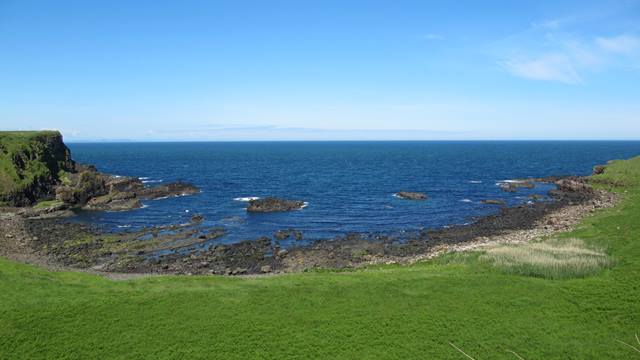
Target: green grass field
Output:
[(394, 312)]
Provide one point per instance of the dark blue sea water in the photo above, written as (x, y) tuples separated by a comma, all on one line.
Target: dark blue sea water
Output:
[(349, 185)]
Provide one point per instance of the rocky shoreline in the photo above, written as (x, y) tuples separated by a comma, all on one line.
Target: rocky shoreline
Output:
[(45, 185), (189, 249)]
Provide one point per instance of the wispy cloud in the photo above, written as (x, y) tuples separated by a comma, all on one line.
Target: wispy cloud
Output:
[(572, 49), (623, 44), (549, 67), (567, 50), (553, 24)]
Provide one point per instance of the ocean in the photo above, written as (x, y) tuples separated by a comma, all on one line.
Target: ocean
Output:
[(349, 186)]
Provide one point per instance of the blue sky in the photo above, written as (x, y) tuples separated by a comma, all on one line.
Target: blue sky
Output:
[(266, 70)]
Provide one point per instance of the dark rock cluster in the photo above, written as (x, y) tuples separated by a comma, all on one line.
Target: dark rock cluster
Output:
[(271, 204), (411, 195), (287, 234), (514, 186)]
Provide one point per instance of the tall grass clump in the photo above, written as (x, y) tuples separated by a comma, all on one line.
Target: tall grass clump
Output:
[(553, 259)]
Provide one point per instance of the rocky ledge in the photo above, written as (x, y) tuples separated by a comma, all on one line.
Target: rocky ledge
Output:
[(411, 195), (92, 190), (271, 204)]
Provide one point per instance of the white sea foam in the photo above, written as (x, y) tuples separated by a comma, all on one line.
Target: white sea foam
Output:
[(395, 195), (304, 205), (151, 181), (502, 182), (161, 198), (144, 178), (124, 226), (247, 199), (475, 182), (466, 200)]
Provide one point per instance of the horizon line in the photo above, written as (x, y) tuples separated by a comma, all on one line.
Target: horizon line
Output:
[(71, 141)]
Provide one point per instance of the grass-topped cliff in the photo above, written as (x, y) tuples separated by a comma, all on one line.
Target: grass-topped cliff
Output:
[(31, 163)]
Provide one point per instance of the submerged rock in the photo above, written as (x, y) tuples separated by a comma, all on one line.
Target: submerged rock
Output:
[(513, 186), (272, 204), (168, 190), (281, 234), (285, 234), (411, 195), (494, 202)]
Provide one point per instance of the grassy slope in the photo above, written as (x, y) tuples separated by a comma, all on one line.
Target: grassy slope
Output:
[(386, 312)]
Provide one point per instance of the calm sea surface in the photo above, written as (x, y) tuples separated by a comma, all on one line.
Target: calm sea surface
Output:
[(349, 185)]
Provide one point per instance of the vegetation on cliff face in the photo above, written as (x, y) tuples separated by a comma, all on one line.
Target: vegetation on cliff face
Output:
[(31, 164)]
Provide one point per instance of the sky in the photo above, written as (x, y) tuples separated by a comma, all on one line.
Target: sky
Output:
[(321, 70)]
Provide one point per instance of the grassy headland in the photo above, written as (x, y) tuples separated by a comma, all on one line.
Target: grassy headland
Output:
[(409, 312), (30, 162)]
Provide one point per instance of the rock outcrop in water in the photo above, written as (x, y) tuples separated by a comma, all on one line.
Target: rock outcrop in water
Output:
[(494, 202), (271, 204), (92, 190), (411, 195), (515, 185), (286, 234), (168, 190)]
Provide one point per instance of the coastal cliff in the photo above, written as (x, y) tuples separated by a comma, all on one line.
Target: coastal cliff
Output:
[(36, 168), (31, 165)]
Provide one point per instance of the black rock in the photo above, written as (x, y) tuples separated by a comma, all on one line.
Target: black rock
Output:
[(271, 204), (411, 195)]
